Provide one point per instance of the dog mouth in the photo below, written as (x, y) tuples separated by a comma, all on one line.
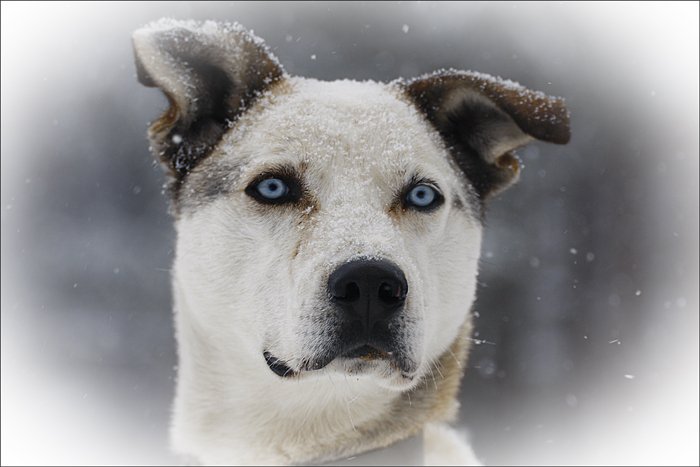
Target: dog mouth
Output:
[(362, 353), (367, 353)]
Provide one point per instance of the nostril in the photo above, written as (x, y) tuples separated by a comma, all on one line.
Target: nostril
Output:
[(349, 293), (391, 294)]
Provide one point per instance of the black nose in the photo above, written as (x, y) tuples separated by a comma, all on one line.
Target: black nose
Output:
[(368, 291)]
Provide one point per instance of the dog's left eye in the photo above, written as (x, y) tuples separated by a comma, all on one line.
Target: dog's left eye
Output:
[(274, 189), (423, 197)]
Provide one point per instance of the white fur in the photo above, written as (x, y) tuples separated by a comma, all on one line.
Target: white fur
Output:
[(446, 446), (240, 289)]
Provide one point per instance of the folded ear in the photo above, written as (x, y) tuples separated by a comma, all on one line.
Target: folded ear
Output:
[(483, 119), (210, 72)]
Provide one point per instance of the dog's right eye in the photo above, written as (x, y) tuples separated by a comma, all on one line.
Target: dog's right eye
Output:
[(273, 190)]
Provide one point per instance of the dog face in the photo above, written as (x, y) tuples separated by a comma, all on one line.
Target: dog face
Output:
[(328, 227), (340, 235)]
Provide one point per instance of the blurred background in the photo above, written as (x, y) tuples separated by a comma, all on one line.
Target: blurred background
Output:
[(587, 328)]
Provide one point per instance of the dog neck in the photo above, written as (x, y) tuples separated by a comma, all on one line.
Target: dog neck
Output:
[(227, 411)]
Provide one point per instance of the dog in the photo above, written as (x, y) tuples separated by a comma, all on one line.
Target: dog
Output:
[(328, 239)]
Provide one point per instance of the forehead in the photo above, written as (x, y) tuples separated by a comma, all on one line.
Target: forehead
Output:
[(356, 125)]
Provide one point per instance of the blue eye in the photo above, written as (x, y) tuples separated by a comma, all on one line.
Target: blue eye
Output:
[(272, 188), (423, 197)]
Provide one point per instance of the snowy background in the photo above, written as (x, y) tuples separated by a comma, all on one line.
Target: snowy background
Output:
[(588, 305)]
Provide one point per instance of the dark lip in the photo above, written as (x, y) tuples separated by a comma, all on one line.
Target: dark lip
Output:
[(277, 366), (363, 352)]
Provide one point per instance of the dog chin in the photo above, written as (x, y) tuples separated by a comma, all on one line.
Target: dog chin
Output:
[(396, 380)]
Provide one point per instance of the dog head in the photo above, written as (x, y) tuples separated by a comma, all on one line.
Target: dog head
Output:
[(328, 227)]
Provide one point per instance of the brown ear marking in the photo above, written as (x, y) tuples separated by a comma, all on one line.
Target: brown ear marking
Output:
[(169, 117), (210, 73), (483, 119), (510, 162)]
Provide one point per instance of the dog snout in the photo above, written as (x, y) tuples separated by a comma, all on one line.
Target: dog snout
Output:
[(368, 291)]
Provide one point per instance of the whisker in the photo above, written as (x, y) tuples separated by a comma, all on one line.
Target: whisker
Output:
[(479, 341), (437, 367), (459, 364), (432, 375)]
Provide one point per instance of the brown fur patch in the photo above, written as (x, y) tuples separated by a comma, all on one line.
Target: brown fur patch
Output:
[(169, 117), (540, 116)]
